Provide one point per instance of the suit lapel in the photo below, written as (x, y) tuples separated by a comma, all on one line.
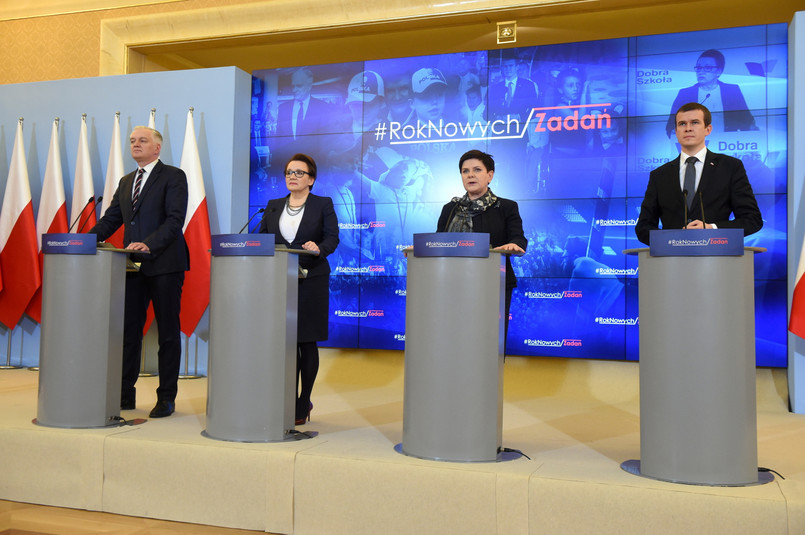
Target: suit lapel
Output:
[(672, 176), (705, 182), (307, 215), (124, 199)]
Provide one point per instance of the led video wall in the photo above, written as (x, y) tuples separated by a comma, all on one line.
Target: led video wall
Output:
[(574, 129)]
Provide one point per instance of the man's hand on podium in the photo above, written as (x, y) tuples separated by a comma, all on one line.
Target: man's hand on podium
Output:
[(698, 224), (138, 246)]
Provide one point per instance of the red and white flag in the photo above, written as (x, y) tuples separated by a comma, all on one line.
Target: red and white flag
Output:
[(114, 172), (83, 207), (52, 215), (196, 291), (19, 254), (796, 323)]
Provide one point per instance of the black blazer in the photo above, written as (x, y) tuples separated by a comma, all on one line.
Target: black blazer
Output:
[(157, 222), (319, 224), (724, 188), (501, 221)]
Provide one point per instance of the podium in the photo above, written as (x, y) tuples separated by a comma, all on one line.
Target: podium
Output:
[(453, 395), (251, 386), (698, 414), (81, 347)]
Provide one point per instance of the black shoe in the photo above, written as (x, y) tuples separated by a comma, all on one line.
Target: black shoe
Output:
[(127, 404), (162, 409)]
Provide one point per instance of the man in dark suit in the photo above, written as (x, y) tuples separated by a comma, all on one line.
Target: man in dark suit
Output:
[(714, 185), (304, 114), (151, 204), (512, 97)]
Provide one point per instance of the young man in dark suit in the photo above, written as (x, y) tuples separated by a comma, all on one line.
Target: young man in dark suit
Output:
[(151, 204), (714, 186)]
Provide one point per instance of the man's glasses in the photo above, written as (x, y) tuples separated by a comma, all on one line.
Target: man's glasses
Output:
[(298, 173), (705, 68)]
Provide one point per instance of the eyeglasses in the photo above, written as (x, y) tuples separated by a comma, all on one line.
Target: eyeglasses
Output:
[(298, 173), (705, 68)]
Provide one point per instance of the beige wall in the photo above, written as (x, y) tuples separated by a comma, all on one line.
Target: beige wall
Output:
[(267, 33)]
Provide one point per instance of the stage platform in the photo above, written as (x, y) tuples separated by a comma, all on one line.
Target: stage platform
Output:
[(577, 420)]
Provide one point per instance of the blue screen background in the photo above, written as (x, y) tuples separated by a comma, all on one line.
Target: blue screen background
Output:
[(579, 190)]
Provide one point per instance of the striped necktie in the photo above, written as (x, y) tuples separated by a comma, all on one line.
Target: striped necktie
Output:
[(137, 186)]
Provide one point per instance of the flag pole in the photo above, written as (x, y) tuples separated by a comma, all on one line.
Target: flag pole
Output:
[(8, 365), (187, 374)]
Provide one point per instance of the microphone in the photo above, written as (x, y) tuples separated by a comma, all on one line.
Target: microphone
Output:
[(449, 218), (685, 196), (81, 212), (705, 98), (260, 211), (94, 205), (701, 205)]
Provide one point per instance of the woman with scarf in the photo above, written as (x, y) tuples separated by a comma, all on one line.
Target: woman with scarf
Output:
[(479, 210)]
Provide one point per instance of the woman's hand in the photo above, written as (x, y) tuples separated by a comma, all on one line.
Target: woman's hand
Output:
[(311, 246)]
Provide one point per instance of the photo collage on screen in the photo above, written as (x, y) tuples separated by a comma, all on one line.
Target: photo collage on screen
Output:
[(574, 129)]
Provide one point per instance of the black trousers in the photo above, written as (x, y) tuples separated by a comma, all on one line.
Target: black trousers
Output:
[(165, 292)]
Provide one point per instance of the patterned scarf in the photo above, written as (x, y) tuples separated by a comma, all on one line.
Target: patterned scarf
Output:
[(466, 209)]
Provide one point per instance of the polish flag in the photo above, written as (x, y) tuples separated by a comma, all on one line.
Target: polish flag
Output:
[(114, 172), (52, 211), (196, 291), (796, 323), (19, 258), (83, 210)]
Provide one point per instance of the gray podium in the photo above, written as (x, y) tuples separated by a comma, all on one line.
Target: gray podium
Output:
[(251, 388), (81, 348), (698, 415), (453, 395)]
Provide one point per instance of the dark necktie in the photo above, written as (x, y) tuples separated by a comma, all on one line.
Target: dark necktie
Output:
[(690, 179), (137, 186)]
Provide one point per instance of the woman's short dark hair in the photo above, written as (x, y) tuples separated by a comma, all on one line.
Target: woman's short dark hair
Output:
[(475, 154), (715, 55), (311, 165)]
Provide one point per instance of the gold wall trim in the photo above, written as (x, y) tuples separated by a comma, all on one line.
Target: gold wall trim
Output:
[(14, 9), (273, 17)]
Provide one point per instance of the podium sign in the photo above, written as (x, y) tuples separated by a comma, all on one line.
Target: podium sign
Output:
[(697, 242), (466, 244), (242, 245), (63, 243)]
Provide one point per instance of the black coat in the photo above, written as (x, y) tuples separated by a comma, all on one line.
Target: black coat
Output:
[(724, 189), (320, 225), (501, 221), (157, 222)]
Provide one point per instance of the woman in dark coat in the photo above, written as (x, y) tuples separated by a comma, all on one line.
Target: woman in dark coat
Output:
[(479, 210), (302, 220)]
